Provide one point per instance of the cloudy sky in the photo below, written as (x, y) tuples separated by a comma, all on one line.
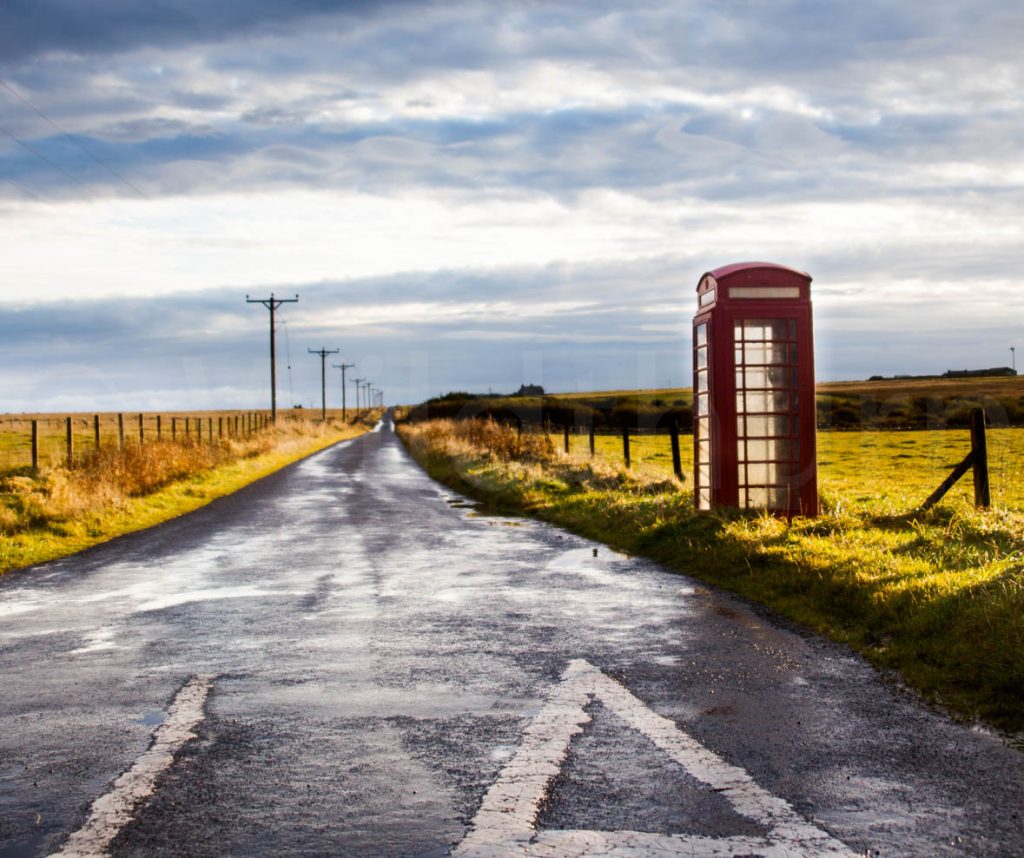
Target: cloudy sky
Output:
[(474, 195)]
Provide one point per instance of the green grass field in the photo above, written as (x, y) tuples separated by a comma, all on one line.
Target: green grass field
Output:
[(879, 473)]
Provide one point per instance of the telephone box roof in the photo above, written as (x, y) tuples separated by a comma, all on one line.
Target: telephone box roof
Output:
[(739, 268)]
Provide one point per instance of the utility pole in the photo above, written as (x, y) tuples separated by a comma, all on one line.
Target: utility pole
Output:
[(272, 304), (323, 377), (366, 395), (356, 382), (1013, 357), (343, 367)]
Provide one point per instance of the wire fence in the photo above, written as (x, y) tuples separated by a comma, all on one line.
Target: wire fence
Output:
[(862, 465), (32, 441)]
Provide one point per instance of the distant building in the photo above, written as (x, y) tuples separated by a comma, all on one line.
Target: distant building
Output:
[(998, 371), (529, 390), (992, 372)]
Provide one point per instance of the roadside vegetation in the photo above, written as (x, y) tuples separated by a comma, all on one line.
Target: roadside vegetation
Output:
[(113, 490), (936, 596)]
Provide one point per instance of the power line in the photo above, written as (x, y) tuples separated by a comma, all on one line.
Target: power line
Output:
[(288, 355), (25, 190), (94, 157), (57, 167)]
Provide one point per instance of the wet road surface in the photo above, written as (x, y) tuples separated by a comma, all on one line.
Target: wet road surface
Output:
[(344, 659)]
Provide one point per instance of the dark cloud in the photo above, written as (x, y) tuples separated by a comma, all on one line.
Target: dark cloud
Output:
[(97, 26)]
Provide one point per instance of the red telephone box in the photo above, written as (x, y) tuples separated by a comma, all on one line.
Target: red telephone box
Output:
[(754, 410)]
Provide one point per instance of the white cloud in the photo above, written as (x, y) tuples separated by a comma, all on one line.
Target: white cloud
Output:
[(583, 163)]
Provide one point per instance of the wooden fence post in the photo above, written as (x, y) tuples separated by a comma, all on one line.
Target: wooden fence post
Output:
[(220, 427), (199, 430), (565, 429), (96, 430), (677, 465), (210, 428), (70, 440), (979, 452), (142, 432), (976, 461), (120, 431), (159, 432), (625, 442), (174, 428), (35, 445)]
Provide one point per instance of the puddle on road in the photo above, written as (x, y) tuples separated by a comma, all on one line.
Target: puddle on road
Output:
[(152, 719), (96, 640), (482, 512), (172, 600), (503, 752)]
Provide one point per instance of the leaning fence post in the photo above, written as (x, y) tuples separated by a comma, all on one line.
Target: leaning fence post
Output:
[(979, 454), (976, 461), (625, 442), (677, 465), (35, 445), (71, 440)]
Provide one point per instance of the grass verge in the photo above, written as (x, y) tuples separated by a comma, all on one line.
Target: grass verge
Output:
[(936, 597), (63, 510)]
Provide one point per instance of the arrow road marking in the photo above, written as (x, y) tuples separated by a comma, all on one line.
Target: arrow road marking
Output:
[(115, 809), (505, 823)]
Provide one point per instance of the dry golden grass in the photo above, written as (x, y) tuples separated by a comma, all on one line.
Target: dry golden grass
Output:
[(488, 437), (105, 479)]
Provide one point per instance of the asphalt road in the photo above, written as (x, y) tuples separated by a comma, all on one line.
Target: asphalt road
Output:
[(345, 659)]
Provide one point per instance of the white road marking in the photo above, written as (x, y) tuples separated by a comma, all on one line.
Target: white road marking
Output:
[(505, 823), (112, 811)]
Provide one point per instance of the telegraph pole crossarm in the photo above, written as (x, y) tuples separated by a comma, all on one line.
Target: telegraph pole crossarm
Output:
[(323, 377), (343, 367), (272, 304)]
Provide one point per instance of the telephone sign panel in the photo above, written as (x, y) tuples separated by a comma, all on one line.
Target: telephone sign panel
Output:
[(753, 386)]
